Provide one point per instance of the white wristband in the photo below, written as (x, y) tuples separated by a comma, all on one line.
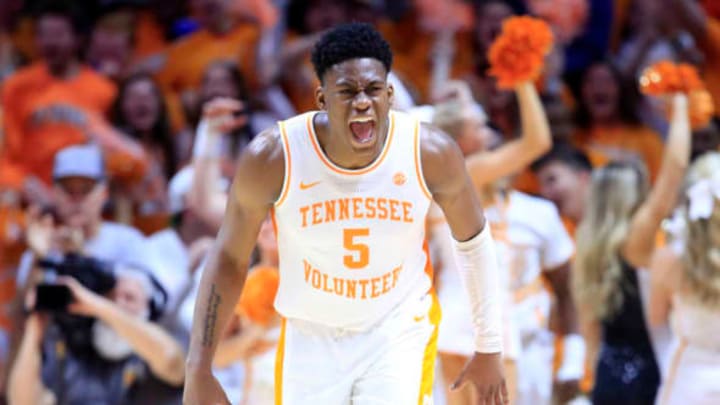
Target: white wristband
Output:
[(206, 143), (573, 362), (478, 267)]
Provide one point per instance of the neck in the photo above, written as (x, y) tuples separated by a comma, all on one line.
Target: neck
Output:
[(338, 150), (186, 235), (609, 121), (91, 230), (64, 71), (577, 214)]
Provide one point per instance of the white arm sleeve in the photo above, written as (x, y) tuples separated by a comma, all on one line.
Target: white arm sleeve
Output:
[(478, 267), (207, 144)]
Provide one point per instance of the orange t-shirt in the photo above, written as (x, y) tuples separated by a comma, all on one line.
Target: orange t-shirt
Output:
[(300, 88), (412, 50), (44, 114), (710, 46), (149, 36), (624, 142), (188, 59)]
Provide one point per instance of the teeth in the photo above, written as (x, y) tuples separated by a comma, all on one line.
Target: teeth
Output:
[(360, 120)]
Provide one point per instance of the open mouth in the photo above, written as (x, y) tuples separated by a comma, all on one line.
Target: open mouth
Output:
[(363, 130)]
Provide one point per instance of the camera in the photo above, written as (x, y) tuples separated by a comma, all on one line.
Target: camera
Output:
[(94, 274)]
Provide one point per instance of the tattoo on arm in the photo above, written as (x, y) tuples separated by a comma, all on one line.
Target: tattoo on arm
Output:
[(211, 317)]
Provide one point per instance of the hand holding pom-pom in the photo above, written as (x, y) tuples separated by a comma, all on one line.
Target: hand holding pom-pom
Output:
[(665, 78), (518, 54), (660, 79), (701, 109)]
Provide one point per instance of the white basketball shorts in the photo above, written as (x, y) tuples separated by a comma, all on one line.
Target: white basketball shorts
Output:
[(392, 363)]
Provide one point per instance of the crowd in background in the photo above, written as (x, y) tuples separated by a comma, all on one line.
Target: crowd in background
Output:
[(98, 157)]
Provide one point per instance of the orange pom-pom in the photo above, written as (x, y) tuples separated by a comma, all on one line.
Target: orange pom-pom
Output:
[(667, 78), (700, 108), (660, 78), (258, 295), (690, 78), (518, 53)]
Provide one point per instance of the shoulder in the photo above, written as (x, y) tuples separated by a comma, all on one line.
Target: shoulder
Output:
[(14, 84), (443, 164), (261, 167), (99, 84), (265, 149), (666, 265), (118, 230), (187, 42), (436, 144)]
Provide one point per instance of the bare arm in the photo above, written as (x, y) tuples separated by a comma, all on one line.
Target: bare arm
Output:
[(450, 185), (560, 280), (243, 346), (591, 332), (257, 184), (513, 156), (663, 283), (205, 198), (661, 200), (162, 353), (25, 385)]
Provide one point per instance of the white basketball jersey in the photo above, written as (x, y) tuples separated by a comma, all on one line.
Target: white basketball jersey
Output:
[(351, 242)]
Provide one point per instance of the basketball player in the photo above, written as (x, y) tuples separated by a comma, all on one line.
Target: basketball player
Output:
[(348, 188)]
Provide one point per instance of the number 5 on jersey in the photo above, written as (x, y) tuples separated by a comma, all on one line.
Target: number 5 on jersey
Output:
[(360, 252)]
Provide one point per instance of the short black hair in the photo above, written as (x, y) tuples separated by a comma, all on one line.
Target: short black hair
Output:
[(68, 10), (350, 41), (567, 154)]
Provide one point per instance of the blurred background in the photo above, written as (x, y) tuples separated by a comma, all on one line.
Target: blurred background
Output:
[(100, 104)]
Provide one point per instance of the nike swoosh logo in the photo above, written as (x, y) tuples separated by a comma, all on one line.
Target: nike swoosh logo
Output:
[(304, 186), (418, 318)]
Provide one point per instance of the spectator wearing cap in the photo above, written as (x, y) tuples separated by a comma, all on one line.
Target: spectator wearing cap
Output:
[(73, 219)]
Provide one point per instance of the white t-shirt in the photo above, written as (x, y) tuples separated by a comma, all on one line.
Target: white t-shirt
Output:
[(170, 260), (536, 234), (114, 242)]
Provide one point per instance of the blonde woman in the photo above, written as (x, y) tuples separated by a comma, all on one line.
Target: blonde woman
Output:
[(685, 284), (615, 238)]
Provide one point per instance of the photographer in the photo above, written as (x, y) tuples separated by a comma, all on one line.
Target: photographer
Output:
[(73, 222), (127, 355)]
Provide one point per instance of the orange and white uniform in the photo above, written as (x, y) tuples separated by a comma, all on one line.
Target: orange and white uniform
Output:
[(355, 279)]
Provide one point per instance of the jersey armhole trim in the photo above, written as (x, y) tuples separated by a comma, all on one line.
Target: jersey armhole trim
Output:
[(288, 165), (418, 163)]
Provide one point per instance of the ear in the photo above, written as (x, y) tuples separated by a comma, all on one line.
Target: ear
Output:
[(320, 98), (391, 94)]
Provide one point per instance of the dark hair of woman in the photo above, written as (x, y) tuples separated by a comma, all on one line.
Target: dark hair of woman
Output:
[(160, 134), (628, 96)]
